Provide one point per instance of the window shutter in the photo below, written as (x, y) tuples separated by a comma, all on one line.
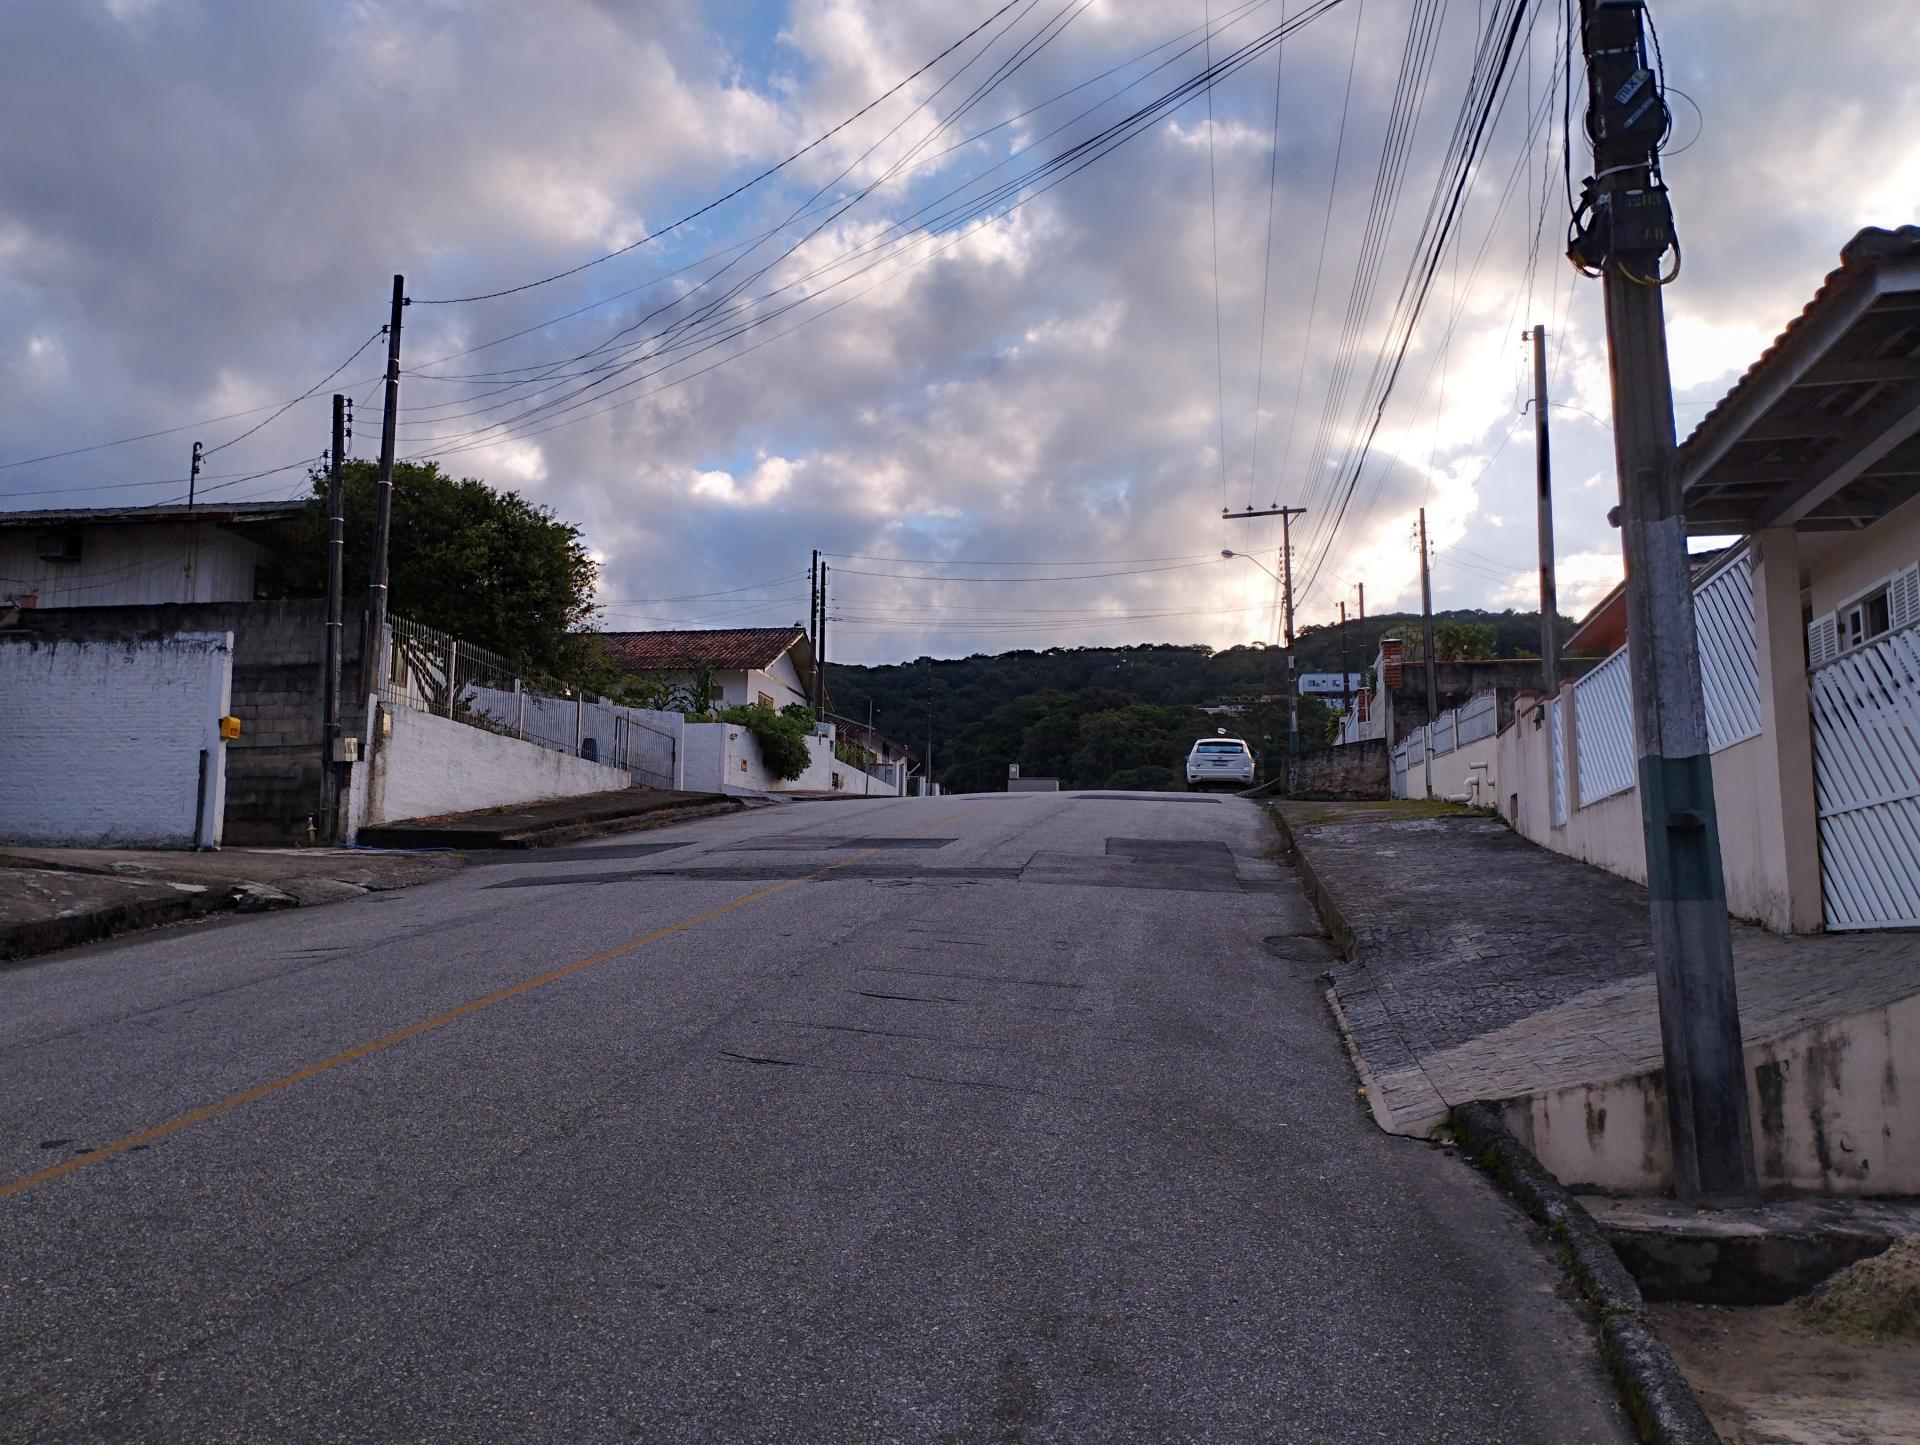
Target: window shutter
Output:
[(1903, 598), (1823, 641)]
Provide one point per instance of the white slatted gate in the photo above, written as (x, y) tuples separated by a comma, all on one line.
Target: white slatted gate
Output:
[(1866, 763)]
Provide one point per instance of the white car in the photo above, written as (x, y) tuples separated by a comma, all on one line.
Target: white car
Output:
[(1220, 760)]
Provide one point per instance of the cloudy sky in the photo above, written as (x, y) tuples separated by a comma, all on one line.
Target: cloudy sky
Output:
[(202, 205)]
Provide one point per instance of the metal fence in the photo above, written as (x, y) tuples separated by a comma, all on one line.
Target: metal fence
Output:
[(430, 671), (1866, 769), (1557, 755), (1443, 735), (1603, 730), (1729, 655), (1476, 719)]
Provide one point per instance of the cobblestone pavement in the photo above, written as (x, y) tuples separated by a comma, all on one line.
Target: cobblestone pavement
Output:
[(1485, 967)]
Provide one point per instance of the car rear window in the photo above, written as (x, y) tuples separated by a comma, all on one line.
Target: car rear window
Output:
[(1219, 747)]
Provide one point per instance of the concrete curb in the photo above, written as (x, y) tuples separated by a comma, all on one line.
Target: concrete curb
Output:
[(23, 942), (1345, 943), (405, 835), (1662, 1404), (1664, 1408)]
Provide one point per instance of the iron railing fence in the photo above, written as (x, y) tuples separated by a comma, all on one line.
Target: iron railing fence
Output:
[(431, 671)]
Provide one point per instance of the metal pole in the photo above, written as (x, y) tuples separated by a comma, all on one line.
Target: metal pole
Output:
[(336, 626), (820, 662), (1706, 1085), (1363, 600), (374, 662), (1543, 472)]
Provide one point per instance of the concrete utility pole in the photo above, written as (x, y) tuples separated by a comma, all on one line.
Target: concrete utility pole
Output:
[(1346, 672), (1426, 626), (813, 628), (373, 660), (820, 664), (1543, 473), (1363, 599), (1623, 229), (1286, 516), (336, 561)]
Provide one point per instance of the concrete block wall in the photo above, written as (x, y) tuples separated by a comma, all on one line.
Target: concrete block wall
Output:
[(279, 652), (104, 739), (1356, 771)]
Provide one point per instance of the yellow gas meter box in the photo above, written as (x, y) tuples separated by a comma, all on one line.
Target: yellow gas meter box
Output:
[(229, 728)]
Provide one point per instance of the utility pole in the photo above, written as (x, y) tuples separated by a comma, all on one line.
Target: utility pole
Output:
[(373, 659), (1543, 473), (822, 667), (1363, 600), (336, 637), (1622, 231), (1426, 626), (1346, 672), (1286, 516), (813, 628), (929, 769), (193, 536)]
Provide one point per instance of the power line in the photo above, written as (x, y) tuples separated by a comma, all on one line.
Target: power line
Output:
[(744, 186)]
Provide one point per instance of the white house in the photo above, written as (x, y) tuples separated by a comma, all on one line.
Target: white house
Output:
[(768, 665), (135, 556)]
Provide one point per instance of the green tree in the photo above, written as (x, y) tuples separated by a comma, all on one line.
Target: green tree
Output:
[(490, 567)]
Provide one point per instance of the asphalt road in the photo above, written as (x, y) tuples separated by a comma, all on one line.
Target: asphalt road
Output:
[(998, 1118)]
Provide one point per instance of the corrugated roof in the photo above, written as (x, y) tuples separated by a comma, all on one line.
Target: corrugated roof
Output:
[(722, 647), (229, 513), (1865, 251)]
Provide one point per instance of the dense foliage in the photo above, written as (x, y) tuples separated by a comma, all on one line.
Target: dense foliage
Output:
[(782, 736), (490, 567), (1124, 717)]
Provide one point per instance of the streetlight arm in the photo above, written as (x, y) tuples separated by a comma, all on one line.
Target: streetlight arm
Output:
[(1256, 562)]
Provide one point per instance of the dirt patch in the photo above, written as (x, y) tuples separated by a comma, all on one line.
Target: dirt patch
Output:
[(1876, 1299), (1767, 1377)]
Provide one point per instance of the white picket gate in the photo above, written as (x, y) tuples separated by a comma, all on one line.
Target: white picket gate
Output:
[(1866, 762)]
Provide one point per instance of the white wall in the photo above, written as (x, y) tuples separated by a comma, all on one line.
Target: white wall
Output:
[(424, 766), (134, 564), (725, 757), (103, 738)]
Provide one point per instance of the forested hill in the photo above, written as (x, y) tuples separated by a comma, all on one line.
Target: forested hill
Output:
[(1097, 717)]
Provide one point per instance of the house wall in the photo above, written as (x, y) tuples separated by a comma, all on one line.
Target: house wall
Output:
[(425, 766), (1467, 774), (279, 653), (104, 739), (1840, 567), (133, 565), (1608, 833), (725, 757)]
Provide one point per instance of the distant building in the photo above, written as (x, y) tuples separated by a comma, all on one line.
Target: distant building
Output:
[(139, 556)]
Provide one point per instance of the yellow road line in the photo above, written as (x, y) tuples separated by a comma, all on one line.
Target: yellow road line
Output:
[(428, 1025)]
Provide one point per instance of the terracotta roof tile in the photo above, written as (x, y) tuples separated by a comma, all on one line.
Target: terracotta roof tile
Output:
[(725, 647)]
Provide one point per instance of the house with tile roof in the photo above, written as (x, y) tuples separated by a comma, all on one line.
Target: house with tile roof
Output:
[(772, 666)]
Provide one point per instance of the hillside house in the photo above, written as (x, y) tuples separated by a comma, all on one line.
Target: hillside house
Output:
[(772, 666)]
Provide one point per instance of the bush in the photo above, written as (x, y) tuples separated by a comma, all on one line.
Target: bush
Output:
[(782, 737)]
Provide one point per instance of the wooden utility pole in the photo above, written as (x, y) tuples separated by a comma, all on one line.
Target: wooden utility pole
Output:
[(336, 561), (1543, 474), (1622, 231), (1346, 672), (373, 661)]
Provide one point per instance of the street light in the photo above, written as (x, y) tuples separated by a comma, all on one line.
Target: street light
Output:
[(1293, 693)]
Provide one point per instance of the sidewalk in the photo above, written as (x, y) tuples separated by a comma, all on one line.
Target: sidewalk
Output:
[(53, 898), (1479, 967), (552, 821)]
